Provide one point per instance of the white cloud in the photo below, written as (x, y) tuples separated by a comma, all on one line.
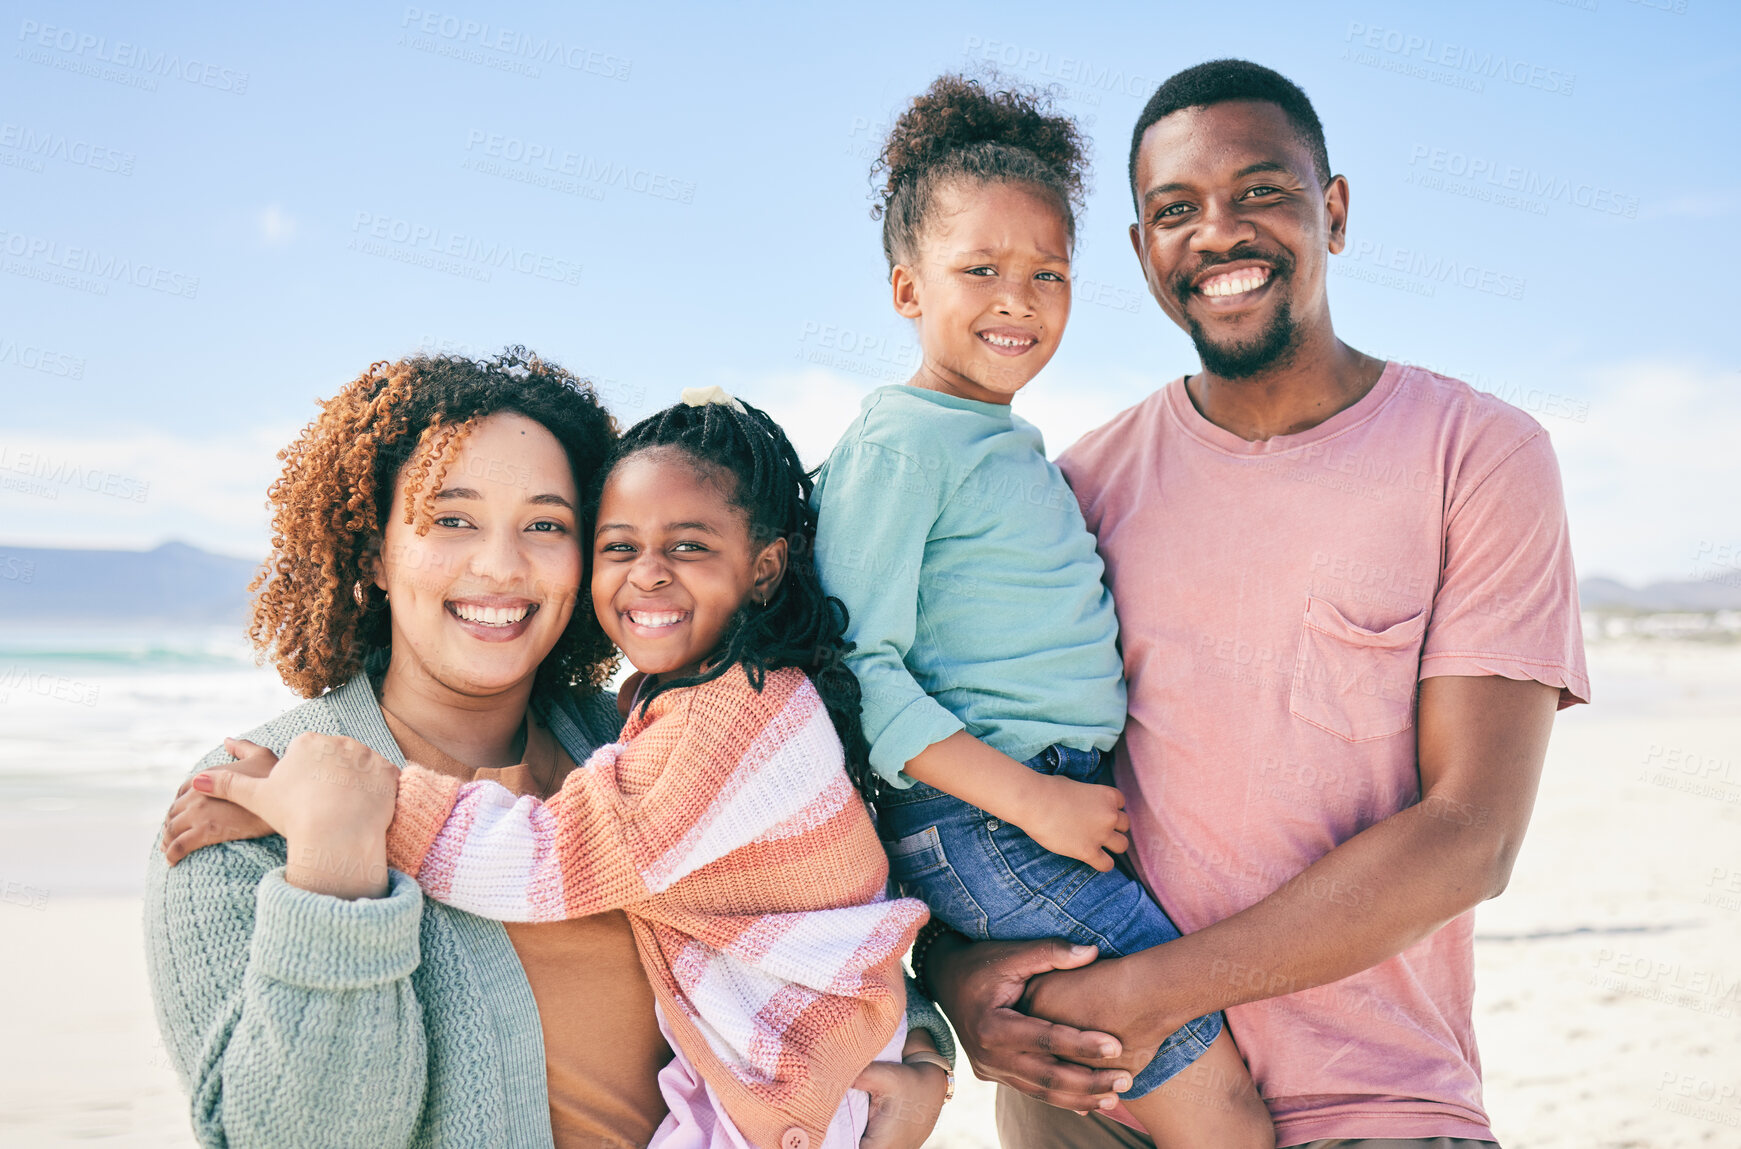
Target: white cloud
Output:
[(277, 226), (1655, 469), (141, 489), (1652, 472)]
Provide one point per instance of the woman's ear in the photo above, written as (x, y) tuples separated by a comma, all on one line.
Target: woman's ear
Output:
[(770, 570), (373, 569)]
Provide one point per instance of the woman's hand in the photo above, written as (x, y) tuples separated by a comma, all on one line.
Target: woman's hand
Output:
[(196, 820), (332, 798), (905, 1099)]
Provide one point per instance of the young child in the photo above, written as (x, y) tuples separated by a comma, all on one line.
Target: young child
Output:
[(724, 821), (985, 641)]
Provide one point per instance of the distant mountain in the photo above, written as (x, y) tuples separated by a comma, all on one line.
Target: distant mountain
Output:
[(173, 583), (1658, 597)]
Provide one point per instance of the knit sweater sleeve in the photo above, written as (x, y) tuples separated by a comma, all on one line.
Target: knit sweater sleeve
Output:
[(712, 770), (289, 1015)]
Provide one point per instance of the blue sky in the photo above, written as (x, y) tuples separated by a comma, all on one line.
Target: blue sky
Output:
[(209, 218)]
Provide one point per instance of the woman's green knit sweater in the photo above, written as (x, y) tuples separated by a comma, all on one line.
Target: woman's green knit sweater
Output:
[(301, 1020)]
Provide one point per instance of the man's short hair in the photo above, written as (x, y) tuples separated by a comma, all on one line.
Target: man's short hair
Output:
[(1216, 82)]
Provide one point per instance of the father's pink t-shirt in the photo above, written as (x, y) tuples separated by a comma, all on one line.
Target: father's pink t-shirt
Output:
[(1278, 602)]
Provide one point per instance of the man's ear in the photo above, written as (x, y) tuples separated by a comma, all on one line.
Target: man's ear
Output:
[(1336, 206), (770, 570), (905, 282)]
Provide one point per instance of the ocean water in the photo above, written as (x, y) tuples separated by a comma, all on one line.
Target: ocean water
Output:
[(98, 726)]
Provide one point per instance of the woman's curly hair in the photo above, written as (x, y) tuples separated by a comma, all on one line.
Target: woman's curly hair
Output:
[(801, 625), (318, 615), (957, 130)]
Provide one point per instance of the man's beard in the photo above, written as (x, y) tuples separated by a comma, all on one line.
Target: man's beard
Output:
[(1272, 347)]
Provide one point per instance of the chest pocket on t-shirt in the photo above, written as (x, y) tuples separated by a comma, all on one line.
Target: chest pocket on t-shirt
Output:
[(1358, 684)]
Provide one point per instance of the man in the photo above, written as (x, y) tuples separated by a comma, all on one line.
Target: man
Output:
[(1348, 615)]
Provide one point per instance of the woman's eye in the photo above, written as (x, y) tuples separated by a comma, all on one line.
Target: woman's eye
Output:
[(546, 527), (450, 521), (982, 271)]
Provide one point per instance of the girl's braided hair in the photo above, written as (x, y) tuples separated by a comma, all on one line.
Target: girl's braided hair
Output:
[(802, 625), (956, 130)]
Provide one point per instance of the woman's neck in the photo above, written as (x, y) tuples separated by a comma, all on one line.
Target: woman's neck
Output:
[(486, 732)]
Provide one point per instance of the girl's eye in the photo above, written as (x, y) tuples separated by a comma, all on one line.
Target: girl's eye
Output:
[(686, 546), (615, 549)]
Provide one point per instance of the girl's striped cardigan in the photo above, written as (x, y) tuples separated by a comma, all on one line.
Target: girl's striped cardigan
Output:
[(724, 824)]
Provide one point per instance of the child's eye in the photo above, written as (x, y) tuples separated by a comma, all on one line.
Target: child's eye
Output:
[(687, 546), (615, 549)]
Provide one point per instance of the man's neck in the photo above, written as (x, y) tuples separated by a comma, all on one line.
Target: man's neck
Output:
[(1322, 377), (482, 732)]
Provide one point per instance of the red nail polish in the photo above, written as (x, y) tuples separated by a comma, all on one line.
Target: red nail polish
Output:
[(202, 783)]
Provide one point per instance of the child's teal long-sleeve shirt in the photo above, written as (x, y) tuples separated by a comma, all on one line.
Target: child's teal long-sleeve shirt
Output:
[(972, 583)]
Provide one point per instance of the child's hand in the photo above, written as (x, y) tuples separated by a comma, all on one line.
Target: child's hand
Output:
[(1078, 820), (196, 820)]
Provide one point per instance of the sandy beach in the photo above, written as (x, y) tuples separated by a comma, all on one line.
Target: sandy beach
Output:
[(1609, 1000)]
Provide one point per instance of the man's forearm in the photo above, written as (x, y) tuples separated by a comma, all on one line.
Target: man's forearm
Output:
[(1365, 901)]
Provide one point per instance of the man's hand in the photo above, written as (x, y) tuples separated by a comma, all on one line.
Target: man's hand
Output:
[(978, 985), (1077, 820), (332, 799), (196, 820)]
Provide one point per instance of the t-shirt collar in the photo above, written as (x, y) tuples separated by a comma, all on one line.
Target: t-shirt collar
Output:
[(1180, 406)]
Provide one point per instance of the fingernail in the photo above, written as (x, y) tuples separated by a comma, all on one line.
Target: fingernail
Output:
[(1122, 1085), (1108, 1102), (202, 783), (1109, 1050), (1081, 951)]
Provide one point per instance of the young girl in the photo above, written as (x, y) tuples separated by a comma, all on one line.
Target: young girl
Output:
[(985, 641), (723, 820)]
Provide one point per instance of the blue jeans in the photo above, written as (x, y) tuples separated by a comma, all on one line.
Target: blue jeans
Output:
[(989, 880)]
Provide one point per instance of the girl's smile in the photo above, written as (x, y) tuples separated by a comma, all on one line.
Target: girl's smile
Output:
[(990, 294), (673, 561)]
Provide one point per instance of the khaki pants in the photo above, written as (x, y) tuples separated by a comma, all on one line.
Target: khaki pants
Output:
[(1023, 1123)]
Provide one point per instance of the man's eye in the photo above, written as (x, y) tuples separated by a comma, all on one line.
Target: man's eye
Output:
[(1050, 275), (1262, 189), (1173, 211)]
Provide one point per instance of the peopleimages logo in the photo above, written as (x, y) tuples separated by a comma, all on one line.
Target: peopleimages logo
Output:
[(132, 64), (89, 269), (1457, 58)]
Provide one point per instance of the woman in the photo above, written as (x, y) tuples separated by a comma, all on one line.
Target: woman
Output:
[(422, 593)]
